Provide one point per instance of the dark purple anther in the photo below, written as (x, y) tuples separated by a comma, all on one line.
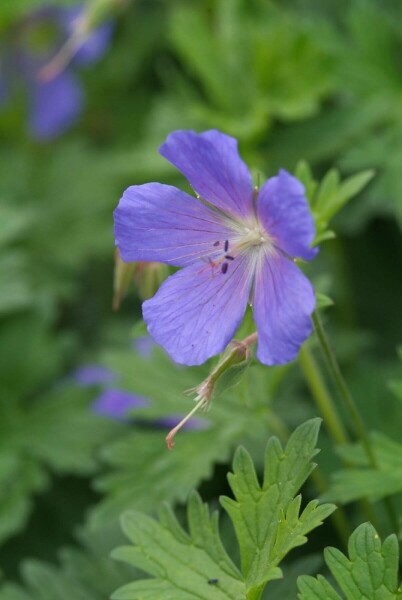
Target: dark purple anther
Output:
[(226, 246), (224, 268), (216, 243), (229, 257)]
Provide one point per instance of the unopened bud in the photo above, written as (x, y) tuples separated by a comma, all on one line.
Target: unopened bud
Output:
[(228, 372), (148, 277), (123, 277), (231, 367)]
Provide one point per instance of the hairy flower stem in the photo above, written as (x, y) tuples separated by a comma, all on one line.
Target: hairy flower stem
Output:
[(321, 396), (236, 357), (326, 406), (358, 423)]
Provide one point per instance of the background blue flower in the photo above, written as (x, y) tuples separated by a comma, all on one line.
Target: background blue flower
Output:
[(41, 53)]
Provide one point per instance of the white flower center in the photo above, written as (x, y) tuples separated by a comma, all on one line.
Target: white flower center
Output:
[(249, 239), (255, 237)]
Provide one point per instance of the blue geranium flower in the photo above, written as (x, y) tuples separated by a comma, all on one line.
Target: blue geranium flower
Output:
[(89, 375), (117, 404), (237, 245), (42, 54)]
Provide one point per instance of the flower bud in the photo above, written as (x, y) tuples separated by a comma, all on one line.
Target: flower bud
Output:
[(148, 277), (227, 373), (123, 277)]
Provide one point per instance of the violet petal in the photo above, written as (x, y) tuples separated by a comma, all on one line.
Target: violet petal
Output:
[(155, 222), (212, 164), (284, 211), (283, 303), (196, 311)]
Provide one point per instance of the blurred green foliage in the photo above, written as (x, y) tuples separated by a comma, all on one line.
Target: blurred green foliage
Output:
[(311, 81)]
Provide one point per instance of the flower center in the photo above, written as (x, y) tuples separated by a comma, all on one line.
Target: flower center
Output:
[(255, 236), (252, 239)]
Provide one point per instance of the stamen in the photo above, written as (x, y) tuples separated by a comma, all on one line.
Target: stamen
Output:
[(224, 268), (229, 257), (226, 246), (216, 243)]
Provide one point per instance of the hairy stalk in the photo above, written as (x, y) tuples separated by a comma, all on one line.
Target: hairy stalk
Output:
[(321, 396), (332, 421), (346, 396)]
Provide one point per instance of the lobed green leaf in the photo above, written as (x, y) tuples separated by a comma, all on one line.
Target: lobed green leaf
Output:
[(267, 517), (370, 572)]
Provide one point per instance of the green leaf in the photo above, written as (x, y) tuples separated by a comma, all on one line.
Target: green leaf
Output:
[(15, 280), (369, 573), (330, 196), (328, 187), (13, 223), (334, 195), (15, 284), (57, 432), (184, 566), (360, 480), (20, 478), (267, 522), (141, 470), (323, 301), (85, 572), (267, 518), (304, 174), (190, 37)]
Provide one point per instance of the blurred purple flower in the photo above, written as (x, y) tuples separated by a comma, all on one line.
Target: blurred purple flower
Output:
[(143, 345), (55, 97), (237, 245), (3, 86), (171, 421), (93, 375), (89, 48), (117, 404)]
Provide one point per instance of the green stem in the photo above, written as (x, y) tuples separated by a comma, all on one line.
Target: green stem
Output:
[(343, 390), (326, 406), (321, 395), (358, 423)]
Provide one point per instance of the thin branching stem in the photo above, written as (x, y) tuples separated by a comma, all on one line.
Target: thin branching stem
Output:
[(347, 398)]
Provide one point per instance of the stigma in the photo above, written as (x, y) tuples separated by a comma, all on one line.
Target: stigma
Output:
[(255, 237)]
